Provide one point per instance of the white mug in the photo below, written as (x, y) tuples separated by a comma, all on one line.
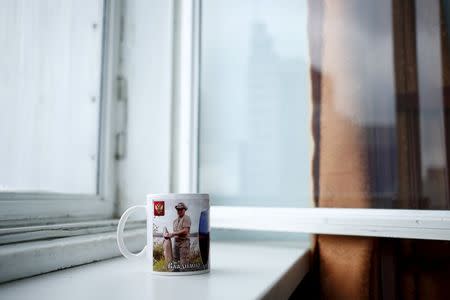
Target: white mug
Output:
[(177, 233)]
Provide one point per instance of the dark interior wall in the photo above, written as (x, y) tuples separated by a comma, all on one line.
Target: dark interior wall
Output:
[(361, 50)]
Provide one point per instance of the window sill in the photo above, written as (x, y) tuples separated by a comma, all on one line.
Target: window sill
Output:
[(19, 260), (239, 270), (11, 235)]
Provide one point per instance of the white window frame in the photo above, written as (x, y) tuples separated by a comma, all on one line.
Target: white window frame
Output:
[(57, 230), (394, 223), (186, 85), (22, 209)]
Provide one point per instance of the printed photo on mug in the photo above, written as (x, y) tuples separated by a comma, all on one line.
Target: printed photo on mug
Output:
[(180, 235)]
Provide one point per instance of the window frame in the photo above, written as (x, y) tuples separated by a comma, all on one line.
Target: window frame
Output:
[(186, 95), (31, 208)]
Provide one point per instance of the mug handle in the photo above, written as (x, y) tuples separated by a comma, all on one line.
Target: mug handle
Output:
[(120, 227)]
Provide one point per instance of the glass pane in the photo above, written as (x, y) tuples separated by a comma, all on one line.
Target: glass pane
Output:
[(381, 89), (346, 103), (255, 140), (50, 62)]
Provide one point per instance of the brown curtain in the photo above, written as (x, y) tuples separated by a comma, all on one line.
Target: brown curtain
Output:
[(366, 127)]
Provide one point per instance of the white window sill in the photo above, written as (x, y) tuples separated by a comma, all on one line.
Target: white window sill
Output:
[(19, 260), (239, 270)]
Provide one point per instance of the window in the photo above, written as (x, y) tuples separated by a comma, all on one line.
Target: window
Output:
[(254, 140), (55, 121), (51, 92), (300, 109), (84, 62)]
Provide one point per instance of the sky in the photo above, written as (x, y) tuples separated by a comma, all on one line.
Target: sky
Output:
[(195, 207)]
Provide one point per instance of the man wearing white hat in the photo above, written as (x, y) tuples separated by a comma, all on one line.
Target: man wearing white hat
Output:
[(181, 228)]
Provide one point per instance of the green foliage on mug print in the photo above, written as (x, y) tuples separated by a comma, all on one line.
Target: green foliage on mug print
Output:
[(196, 259), (160, 266), (159, 263), (158, 251)]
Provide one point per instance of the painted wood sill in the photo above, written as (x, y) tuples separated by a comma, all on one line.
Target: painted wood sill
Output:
[(239, 270), (25, 259)]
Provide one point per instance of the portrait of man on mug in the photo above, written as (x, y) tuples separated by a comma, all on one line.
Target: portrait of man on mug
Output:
[(181, 229)]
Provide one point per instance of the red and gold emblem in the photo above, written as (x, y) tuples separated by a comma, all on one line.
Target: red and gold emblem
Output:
[(158, 208)]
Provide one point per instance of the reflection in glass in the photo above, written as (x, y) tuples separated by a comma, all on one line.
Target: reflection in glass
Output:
[(381, 136), (341, 101)]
